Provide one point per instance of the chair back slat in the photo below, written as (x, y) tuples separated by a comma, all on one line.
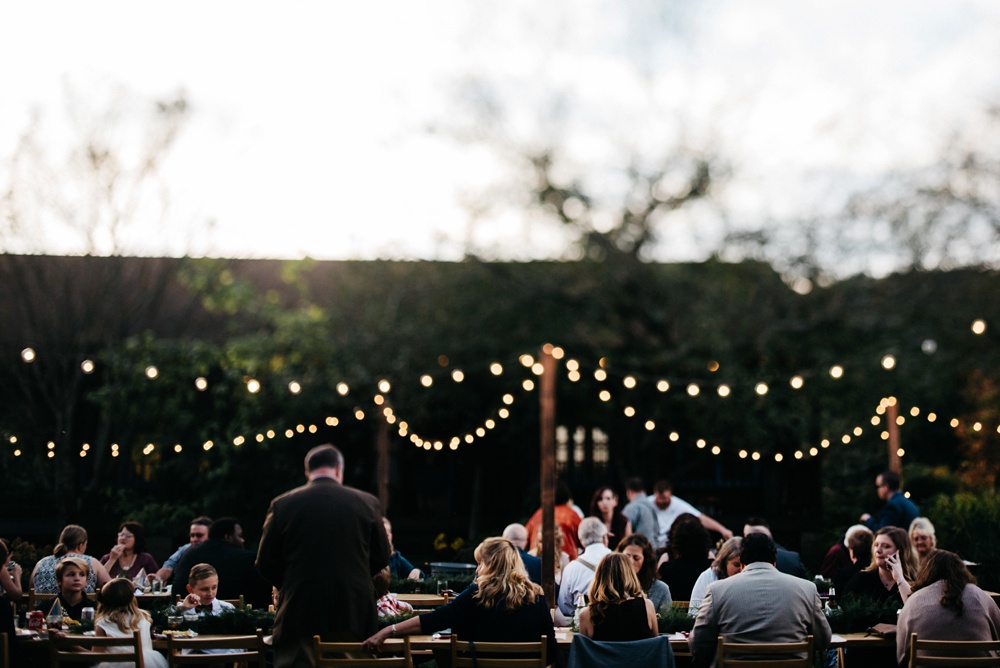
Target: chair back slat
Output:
[(245, 650), (466, 654), (731, 654), (953, 653), (83, 649), (395, 653)]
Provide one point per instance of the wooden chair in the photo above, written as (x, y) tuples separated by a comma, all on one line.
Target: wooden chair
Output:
[(729, 654), (680, 604), (34, 597), (953, 653), (238, 603), (4, 651), (470, 654), (395, 652), (86, 649), (248, 650)]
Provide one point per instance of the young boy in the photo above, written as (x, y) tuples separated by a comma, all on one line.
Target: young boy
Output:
[(203, 584), (71, 575)]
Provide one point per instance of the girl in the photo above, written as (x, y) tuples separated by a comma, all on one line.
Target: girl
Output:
[(203, 585), (638, 548), (118, 616)]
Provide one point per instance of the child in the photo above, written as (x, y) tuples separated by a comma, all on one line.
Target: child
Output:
[(118, 615), (387, 604), (71, 576), (203, 584)]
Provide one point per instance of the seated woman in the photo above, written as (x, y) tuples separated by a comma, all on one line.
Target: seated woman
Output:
[(604, 506), (923, 538), (946, 604), (118, 616), (71, 574), (502, 605), (726, 564), (398, 564), (891, 570), (689, 542), (638, 548), (561, 559), (127, 558), (72, 543), (202, 586), (618, 611)]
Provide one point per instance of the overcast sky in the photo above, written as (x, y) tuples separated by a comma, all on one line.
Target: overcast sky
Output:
[(309, 127)]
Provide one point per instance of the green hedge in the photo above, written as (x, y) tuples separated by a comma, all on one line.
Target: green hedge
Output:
[(969, 525)]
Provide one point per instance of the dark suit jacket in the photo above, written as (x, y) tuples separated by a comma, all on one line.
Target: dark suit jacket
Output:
[(237, 574), (321, 545), (790, 562), (899, 511), (761, 604), (533, 565)]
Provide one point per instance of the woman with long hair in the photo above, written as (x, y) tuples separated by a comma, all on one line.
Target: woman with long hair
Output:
[(946, 604), (502, 605), (561, 558), (604, 506), (128, 557), (638, 548), (72, 543), (726, 564), (618, 610), (891, 570), (689, 542)]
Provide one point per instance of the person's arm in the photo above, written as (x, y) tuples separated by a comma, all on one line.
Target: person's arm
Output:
[(897, 574), (628, 528), (651, 617), (11, 582), (167, 569), (820, 625), (714, 525), (586, 625), (405, 628), (705, 634), (100, 572)]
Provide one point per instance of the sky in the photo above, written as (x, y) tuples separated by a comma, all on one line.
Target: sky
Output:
[(340, 130)]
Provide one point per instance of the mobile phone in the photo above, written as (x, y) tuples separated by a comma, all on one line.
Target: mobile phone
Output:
[(11, 565)]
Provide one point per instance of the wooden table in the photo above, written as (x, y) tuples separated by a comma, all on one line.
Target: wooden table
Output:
[(423, 600)]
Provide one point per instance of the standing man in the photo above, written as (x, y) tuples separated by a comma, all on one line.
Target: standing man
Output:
[(517, 534), (198, 535), (224, 552), (898, 511), (639, 511), (320, 547), (760, 605), (669, 507)]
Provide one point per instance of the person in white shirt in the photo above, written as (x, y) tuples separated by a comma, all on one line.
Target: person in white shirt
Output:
[(579, 573), (669, 507), (202, 586)]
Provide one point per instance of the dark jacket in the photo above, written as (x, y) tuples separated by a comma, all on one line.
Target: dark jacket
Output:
[(899, 511), (533, 565), (321, 545)]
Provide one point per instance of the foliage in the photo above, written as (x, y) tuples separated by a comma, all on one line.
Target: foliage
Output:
[(855, 614), (389, 620), (969, 525), (674, 620), (232, 622), (428, 585)]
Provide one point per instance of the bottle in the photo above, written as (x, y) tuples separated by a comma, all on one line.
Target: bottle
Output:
[(581, 603)]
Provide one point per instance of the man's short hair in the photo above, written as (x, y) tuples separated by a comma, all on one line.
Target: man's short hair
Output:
[(634, 484), (757, 525), (202, 520), (591, 531), (516, 533), (758, 547), (563, 493), (324, 456), (860, 543), (663, 486), (222, 527), (891, 480)]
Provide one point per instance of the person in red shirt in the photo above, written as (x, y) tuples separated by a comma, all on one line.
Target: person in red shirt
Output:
[(566, 518)]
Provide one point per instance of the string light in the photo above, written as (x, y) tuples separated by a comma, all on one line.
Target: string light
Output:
[(693, 390), (87, 366), (253, 386), (629, 382), (152, 372), (723, 390), (28, 355)]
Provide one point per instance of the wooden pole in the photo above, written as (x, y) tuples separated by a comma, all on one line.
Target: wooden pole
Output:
[(547, 476), (895, 463), (382, 450)]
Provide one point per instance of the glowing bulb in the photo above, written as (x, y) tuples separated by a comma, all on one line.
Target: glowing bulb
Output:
[(572, 365), (978, 326), (836, 371), (604, 395), (526, 360), (693, 390), (600, 375), (716, 449), (87, 366), (508, 399), (674, 436), (629, 411), (629, 382), (778, 457), (457, 375), (28, 355), (152, 372), (723, 390), (496, 368), (201, 383), (253, 386), (528, 385), (755, 456), (662, 386), (744, 454), (426, 380), (796, 382), (342, 389), (888, 362), (384, 386), (650, 425), (573, 376), (760, 388), (294, 387), (813, 452), (332, 422)]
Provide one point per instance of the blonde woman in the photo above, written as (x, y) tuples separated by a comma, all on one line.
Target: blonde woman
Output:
[(923, 538), (561, 557), (502, 605), (618, 610), (118, 615), (726, 564)]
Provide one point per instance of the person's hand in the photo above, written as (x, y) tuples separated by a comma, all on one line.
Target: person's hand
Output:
[(896, 566), (374, 643), (191, 601), (726, 533), (16, 573), (117, 551), (865, 517)]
